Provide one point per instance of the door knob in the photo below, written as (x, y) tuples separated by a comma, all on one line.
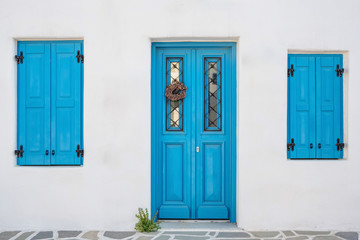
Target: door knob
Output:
[(47, 152), (311, 145), (53, 152), (319, 145), (197, 149)]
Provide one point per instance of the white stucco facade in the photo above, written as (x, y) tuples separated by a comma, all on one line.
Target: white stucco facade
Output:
[(104, 193)]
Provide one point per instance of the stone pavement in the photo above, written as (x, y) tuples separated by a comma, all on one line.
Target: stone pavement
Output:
[(180, 235)]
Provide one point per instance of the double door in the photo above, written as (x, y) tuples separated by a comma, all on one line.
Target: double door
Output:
[(194, 137)]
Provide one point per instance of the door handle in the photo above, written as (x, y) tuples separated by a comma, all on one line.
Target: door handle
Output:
[(319, 145), (47, 152), (53, 152), (197, 149), (311, 145)]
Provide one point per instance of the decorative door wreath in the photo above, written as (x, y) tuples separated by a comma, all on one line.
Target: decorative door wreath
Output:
[(175, 91)]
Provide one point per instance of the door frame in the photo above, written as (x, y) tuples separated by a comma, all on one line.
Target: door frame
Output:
[(233, 118)]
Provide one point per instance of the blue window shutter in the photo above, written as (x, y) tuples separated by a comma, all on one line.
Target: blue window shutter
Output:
[(66, 95), (329, 107), (301, 114), (34, 103)]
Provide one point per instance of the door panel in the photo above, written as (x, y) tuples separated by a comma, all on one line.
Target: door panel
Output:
[(302, 107), (175, 139), (65, 104), (212, 134), (191, 170), (328, 106), (34, 104)]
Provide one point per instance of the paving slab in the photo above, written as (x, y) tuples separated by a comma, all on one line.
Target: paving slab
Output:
[(92, 235), (144, 238), (43, 235), (68, 234), (162, 237), (118, 235), (7, 235), (265, 234), (313, 232), (348, 235), (288, 233), (233, 235), (297, 238), (190, 238), (24, 236), (194, 233), (327, 238)]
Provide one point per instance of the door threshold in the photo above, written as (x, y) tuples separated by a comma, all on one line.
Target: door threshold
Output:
[(197, 225)]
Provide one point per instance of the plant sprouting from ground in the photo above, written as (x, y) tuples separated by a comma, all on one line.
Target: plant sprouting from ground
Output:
[(146, 224)]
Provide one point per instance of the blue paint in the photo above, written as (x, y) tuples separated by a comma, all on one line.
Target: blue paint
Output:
[(50, 88), (315, 103), (187, 184)]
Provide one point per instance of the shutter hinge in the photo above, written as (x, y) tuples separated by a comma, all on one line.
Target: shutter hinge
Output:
[(339, 72), (80, 57), (20, 58), (19, 153), (340, 146), (290, 146), (291, 70), (80, 152)]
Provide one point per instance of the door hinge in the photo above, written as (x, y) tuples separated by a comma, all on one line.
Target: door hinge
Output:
[(80, 57), (19, 153), (339, 72), (340, 146), (80, 152), (290, 146), (291, 71), (19, 58)]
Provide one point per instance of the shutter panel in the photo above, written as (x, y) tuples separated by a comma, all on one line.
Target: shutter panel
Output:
[(329, 107), (301, 118), (34, 103), (66, 92)]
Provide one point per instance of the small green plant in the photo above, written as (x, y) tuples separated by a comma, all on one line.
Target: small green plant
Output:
[(146, 224)]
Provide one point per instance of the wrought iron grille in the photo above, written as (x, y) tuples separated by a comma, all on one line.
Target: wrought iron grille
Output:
[(174, 109), (212, 94)]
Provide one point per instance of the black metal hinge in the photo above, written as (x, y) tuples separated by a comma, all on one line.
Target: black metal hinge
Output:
[(80, 152), (290, 146), (340, 146), (19, 59), (80, 57), (19, 153), (291, 71), (339, 72)]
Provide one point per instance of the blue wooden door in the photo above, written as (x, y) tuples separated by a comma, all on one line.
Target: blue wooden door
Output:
[(34, 103), (192, 147)]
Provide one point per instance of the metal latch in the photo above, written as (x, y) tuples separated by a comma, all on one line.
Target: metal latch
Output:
[(339, 72), (19, 153), (20, 58), (80, 152), (290, 146), (291, 71), (340, 146), (80, 57)]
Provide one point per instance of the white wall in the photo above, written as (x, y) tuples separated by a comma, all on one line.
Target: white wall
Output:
[(273, 193)]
